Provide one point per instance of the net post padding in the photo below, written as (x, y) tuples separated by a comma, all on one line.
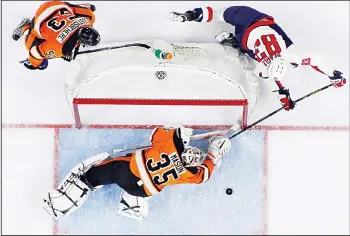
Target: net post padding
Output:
[(160, 102)]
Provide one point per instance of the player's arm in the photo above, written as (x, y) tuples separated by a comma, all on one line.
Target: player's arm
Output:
[(179, 134), (174, 137), (201, 173), (218, 148), (298, 57), (36, 58), (83, 10)]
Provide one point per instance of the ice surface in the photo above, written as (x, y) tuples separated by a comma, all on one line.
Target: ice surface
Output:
[(308, 188), (309, 181), (181, 209)]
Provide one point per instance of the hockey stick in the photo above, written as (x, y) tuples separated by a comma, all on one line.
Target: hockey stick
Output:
[(104, 49), (278, 110), (115, 47), (225, 132), (193, 137)]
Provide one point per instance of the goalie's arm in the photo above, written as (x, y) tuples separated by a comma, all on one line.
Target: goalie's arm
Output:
[(201, 173)]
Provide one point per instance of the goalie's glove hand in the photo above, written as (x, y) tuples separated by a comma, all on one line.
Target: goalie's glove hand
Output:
[(42, 66), (218, 147), (286, 100), (337, 79), (182, 17)]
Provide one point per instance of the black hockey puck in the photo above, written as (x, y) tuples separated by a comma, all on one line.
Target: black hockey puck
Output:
[(229, 191)]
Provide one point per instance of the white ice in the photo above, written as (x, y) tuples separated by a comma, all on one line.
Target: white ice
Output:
[(308, 171)]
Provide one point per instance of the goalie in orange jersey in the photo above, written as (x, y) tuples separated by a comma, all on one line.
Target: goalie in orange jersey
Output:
[(170, 160), (56, 31)]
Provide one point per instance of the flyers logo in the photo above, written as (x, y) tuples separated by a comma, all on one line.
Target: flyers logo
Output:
[(306, 61), (51, 54)]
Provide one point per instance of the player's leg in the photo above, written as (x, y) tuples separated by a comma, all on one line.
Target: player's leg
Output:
[(133, 201), (72, 191), (21, 29)]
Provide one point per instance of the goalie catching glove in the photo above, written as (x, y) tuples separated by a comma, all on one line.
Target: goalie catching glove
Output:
[(218, 148)]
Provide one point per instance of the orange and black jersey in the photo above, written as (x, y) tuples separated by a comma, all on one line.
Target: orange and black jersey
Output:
[(53, 30), (161, 165)]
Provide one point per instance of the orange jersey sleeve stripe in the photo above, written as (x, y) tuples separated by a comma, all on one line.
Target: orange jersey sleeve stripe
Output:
[(34, 61), (148, 183), (207, 167)]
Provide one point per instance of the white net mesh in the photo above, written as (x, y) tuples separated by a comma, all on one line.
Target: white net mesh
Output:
[(196, 71)]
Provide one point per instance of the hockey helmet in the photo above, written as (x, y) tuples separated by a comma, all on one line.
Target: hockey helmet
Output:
[(89, 36)]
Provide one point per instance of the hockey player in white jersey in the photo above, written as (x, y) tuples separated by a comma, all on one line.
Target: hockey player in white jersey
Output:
[(257, 35)]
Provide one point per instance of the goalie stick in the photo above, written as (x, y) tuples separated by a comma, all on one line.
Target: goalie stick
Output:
[(228, 131), (193, 137)]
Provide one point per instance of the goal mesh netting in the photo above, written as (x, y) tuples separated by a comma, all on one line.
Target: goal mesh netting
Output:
[(198, 74)]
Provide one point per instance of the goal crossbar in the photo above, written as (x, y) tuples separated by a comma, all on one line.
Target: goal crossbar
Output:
[(159, 102)]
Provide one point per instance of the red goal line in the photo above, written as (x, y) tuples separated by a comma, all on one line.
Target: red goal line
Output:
[(218, 127)]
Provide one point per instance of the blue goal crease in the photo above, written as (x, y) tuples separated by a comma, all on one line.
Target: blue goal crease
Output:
[(179, 209)]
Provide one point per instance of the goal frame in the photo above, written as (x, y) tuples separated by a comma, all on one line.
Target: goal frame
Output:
[(159, 102), (210, 60)]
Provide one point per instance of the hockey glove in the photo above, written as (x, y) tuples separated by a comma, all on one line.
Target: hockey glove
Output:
[(337, 79), (226, 38), (89, 6), (73, 54), (42, 66), (218, 148), (185, 134), (285, 99)]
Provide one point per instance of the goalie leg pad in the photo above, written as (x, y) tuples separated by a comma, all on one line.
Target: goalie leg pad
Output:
[(73, 190), (67, 198), (133, 207)]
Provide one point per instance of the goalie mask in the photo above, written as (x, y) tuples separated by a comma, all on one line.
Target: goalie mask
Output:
[(192, 156)]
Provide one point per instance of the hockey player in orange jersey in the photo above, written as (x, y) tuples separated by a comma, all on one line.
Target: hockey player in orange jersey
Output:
[(142, 174), (56, 31)]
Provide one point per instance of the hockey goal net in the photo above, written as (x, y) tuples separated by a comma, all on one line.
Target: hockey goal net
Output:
[(198, 75)]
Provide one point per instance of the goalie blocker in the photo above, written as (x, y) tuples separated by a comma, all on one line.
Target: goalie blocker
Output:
[(170, 160)]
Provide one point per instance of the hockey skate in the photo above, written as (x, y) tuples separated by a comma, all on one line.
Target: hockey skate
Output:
[(21, 28)]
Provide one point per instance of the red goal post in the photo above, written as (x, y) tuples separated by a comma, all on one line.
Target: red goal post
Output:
[(203, 74), (155, 102)]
